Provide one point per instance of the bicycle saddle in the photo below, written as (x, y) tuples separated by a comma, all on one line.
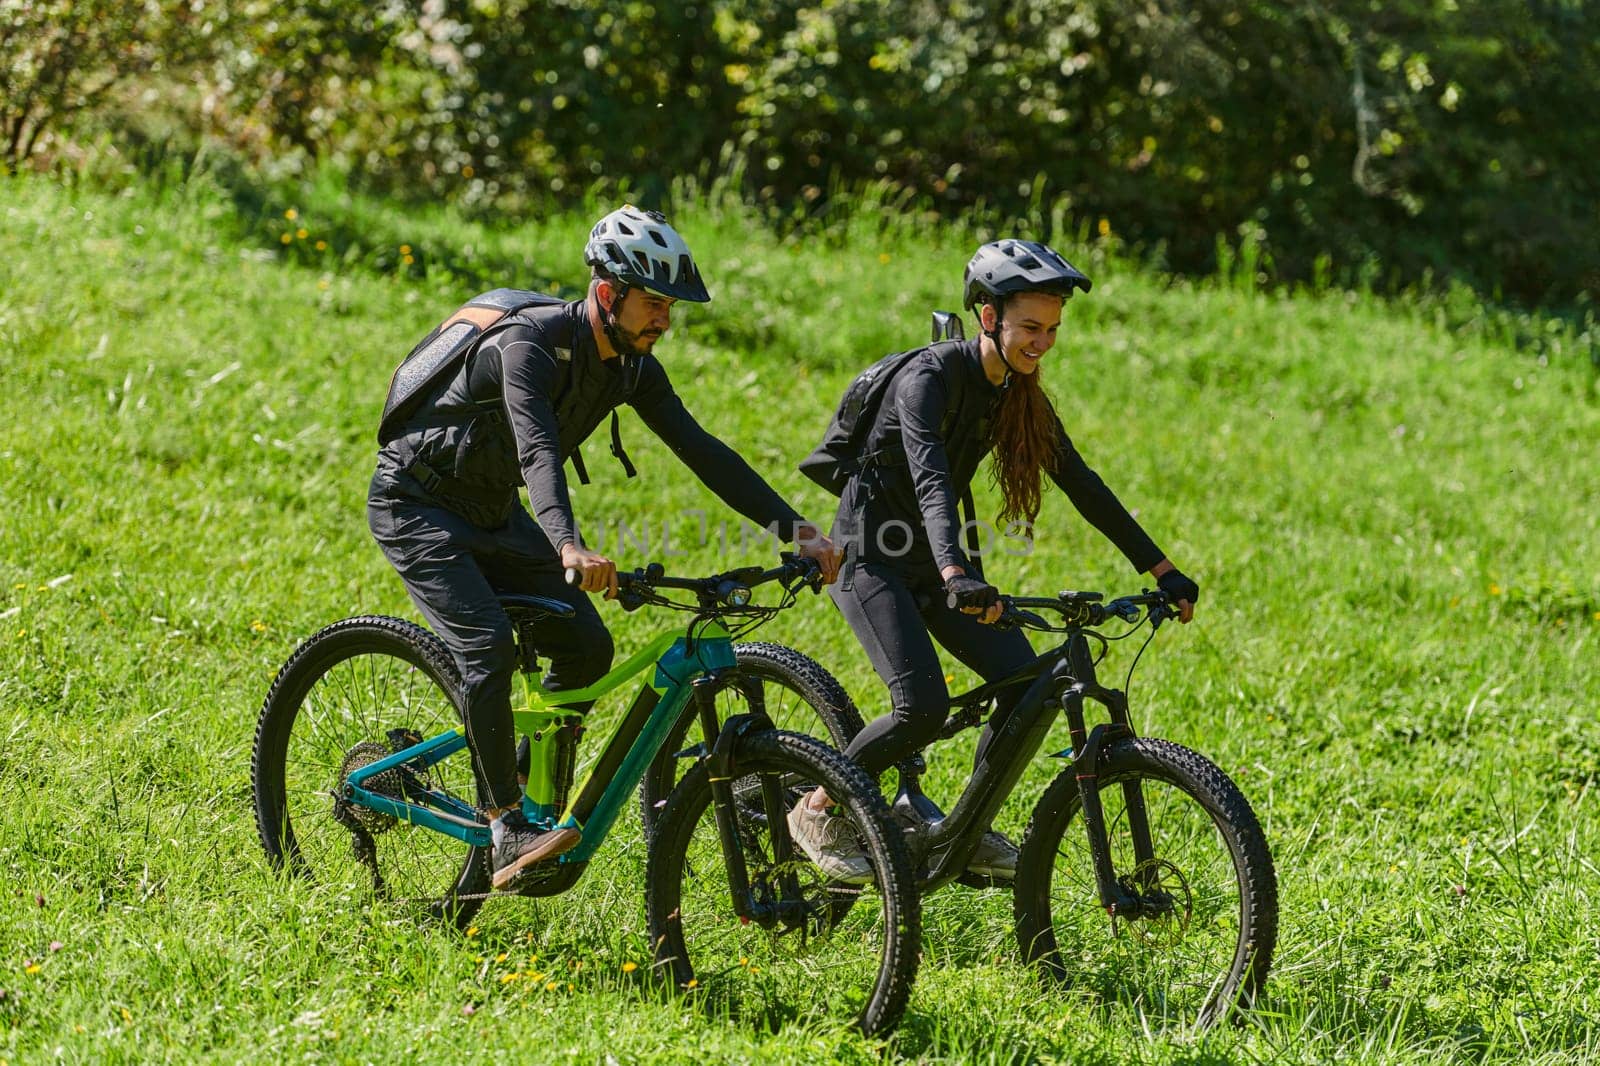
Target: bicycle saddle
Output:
[(524, 608)]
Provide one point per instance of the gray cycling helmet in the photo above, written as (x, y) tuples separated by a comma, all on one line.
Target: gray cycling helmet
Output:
[(1005, 268), (639, 248)]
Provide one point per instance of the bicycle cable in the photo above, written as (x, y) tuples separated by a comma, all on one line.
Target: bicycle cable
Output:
[(1127, 683)]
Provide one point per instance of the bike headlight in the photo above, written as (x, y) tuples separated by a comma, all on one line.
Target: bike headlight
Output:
[(738, 596)]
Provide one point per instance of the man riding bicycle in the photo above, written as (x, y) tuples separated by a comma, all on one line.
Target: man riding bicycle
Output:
[(443, 502)]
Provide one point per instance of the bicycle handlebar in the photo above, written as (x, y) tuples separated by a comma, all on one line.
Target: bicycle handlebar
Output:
[(1079, 610), (730, 589)]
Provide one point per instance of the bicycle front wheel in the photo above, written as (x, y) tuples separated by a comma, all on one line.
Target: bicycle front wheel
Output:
[(1208, 894), (806, 948), (352, 694)]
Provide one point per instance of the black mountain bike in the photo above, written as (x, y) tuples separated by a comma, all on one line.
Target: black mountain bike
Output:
[(1138, 837)]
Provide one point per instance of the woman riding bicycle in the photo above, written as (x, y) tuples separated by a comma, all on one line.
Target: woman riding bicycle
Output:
[(909, 583)]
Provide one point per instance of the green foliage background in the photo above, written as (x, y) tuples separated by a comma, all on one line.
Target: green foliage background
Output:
[(1390, 508), (1399, 143)]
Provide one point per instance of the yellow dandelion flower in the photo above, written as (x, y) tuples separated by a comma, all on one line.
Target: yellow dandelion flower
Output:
[(322, 246), (405, 249), (291, 214), (324, 284), (744, 960), (552, 986), (1494, 590), (472, 931), (694, 982), (884, 257), (127, 1017), (755, 969), (302, 233), (500, 957), (285, 238), (629, 967), (408, 259), (258, 626), (1105, 227), (570, 986), (32, 968), (507, 978), (467, 171)]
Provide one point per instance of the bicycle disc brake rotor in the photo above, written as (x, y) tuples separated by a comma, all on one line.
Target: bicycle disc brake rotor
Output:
[(386, 783), (810, 915), (1166, 899)]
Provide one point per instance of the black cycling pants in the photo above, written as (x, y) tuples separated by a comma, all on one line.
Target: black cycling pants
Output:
[(453, 571), (897, 620)]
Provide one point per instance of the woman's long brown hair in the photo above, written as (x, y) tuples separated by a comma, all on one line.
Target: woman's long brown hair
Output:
[(1024, 447)]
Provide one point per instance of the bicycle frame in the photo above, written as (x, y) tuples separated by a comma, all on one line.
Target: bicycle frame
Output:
[(1063, 679), (686, 671)]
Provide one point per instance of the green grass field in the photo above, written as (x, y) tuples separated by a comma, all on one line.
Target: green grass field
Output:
[(1395, 656)]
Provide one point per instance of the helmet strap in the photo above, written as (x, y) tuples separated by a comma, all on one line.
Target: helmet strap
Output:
[(994, 336), (608, 316)]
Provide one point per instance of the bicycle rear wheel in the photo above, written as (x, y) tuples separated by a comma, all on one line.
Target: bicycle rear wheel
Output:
[(357, 691), (813, 950), (1205, 946), (795, 691)]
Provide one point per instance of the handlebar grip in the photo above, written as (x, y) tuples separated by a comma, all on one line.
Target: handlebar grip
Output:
[(574, 576)]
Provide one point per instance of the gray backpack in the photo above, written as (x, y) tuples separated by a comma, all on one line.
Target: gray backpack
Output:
[(439, 355)]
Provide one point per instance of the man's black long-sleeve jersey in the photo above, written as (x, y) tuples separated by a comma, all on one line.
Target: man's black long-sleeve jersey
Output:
[(941, 457), (532, 391)]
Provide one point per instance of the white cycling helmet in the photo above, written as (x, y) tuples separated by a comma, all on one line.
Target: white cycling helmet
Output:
[(639, 248)]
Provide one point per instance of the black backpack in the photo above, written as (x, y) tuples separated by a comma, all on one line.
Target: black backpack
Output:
[(439, 355), (839, 457)]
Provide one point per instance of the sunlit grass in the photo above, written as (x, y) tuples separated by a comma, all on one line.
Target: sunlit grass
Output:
[(1394, 528)]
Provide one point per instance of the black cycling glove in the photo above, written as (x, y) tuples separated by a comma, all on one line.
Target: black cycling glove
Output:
[(1177, 587), (962, 591)]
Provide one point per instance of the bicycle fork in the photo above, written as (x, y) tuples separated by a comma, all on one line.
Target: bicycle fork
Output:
[(1117, 897), (721, 740)]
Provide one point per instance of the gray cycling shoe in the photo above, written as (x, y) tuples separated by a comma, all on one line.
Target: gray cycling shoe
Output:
[(519, 846), (830, 843), (994, 857)]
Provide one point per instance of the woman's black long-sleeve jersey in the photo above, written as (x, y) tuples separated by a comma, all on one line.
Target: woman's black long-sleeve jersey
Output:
[(942, 450), (533, 391)]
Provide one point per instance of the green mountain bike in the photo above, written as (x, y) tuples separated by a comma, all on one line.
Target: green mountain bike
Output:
[(364, 787)]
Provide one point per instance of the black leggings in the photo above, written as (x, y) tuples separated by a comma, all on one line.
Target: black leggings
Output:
[(454, 571), (897, 618)]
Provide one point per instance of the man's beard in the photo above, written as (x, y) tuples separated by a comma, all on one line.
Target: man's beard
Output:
[(634, 344)]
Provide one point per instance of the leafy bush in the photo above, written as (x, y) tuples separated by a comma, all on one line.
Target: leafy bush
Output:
[(1332, 138)]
